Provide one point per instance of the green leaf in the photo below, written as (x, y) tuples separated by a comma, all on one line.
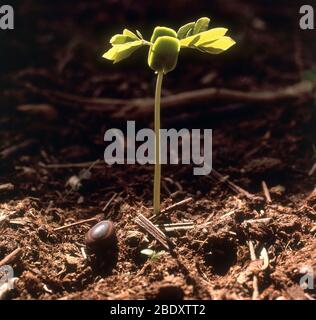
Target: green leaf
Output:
[(201, 25), (139, 35), (218, 46), (120, 39), (203, 37), (130, 34), (122, 51), (182, 32)]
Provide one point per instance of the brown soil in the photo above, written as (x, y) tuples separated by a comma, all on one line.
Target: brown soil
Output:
[(271, 143)]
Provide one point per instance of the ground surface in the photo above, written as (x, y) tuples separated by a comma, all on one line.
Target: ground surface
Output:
[(252, 143)]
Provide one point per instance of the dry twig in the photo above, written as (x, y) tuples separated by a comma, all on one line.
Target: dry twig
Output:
[(141, 107), (13, 150), (219, 177), (94, 219), (148, 226), (172, 207), (10, 258)]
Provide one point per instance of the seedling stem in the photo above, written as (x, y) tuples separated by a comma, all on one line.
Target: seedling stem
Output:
[(157, 176)]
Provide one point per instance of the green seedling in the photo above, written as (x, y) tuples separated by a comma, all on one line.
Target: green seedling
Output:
[(164, 47), (152, 254)]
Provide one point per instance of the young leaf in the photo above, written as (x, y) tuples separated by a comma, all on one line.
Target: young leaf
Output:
[(120, 39), (122, 51), (130, 34), (139, 35), (201, 25), (206, 36), (182, 32), (217, 46)]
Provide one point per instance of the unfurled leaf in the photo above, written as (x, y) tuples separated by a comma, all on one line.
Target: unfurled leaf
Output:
[(121, 51), (130, 34), (217, 46), (182, 32), (120, 39), (201, 25), (204, 37)]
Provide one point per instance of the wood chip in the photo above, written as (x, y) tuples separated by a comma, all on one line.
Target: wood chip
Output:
[(154, 231)]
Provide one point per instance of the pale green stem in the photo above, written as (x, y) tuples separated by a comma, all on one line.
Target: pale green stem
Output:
[(157, 176)]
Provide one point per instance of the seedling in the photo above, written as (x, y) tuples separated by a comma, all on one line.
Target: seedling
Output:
[(152, 254), (164, 47)]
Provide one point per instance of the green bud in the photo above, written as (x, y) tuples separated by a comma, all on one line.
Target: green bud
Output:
[(163, 54), (162, 31)]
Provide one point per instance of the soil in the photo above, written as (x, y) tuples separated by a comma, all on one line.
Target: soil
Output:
[(56, 46)]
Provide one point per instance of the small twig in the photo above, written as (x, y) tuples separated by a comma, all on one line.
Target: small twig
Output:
[(13, 150), (172, 207), (6, 187), (148, 226), (266, 192), (262, 220), (71, 165), (94, 219), (10, 258), (312, 170), (171, 227), (255, 294), (219, 177), (109, 202), (227, 214)]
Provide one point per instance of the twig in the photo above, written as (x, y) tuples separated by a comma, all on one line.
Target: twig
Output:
[(262, 220), (70, 165), (109, 202), (10, 258), (141, 107), (266, 192), (13, 150), (312, 170), (6, 187), (219, 177), (255, 294), (172, 207), (171, 227), (148, 226), (94, 219)]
